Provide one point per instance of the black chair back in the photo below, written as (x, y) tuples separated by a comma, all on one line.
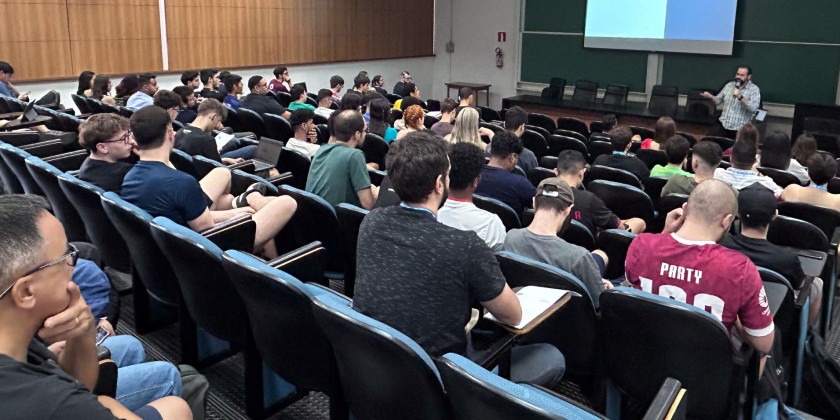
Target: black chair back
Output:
[(579, 345), (669, 339), (599, 147), (11, 183), (780, 177), (573, 124), (384, 374), (87, 199), (585, 92), (509, 217), (251, 121), (429, 121), (697, 104), (375, 148), (578, 234), (393, 98), (615, 243), (80, 103), (277, 127), (644, 132), (542, 120), (824, 218), (572, 134), (795, 233), (297, 163), (535, 142), (280, 310), (541, 131), (663, 100), (183, 162), (691, 139), (723, 142), (653, 188), (625, 201), (538, 174), (316, 220), (558, 143), (489, 114), (16, 162), (350, 220), (284, 98), (548, 162), (596, 172), (652, 157), (396, 114), (616, 95), (46, 176)]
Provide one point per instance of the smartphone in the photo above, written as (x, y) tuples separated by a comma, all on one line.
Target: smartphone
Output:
[(101, 335)]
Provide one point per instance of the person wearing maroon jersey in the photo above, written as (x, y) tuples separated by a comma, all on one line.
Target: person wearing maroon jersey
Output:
[(685, 263)]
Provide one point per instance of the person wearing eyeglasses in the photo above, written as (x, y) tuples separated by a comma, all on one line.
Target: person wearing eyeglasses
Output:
[(109, 141), (40, 305), (259, 101)]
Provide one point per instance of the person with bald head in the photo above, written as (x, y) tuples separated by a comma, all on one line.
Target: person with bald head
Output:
[(686, 263)]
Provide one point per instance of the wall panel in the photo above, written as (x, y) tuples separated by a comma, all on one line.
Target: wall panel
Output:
[(34, 38)]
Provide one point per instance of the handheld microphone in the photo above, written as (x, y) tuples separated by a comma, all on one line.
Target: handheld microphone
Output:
[(738, 83)]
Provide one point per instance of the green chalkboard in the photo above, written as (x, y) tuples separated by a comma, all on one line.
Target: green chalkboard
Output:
[(813, 21), (785, 73), (555, 15), (550, 55)]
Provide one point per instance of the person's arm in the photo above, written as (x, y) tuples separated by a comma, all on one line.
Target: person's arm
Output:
[(367, 197), (752, 101), (674, 220), (203, 222), (117, 409), (77, 327), (754, 314), (527, 191), (220, 216), (505, 307)]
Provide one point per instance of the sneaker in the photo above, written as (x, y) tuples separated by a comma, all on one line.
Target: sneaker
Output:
[(242, 199)]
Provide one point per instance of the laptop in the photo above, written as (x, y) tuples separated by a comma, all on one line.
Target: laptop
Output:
[(267, 154)]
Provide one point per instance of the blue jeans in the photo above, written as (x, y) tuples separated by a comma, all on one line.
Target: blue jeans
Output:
[(140, 382), (246, 153)]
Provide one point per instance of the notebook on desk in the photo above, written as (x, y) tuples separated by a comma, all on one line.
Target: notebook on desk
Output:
[(536, 303)]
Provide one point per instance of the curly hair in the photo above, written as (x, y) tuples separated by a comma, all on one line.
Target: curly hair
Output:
[(467, 160), (413, 117)]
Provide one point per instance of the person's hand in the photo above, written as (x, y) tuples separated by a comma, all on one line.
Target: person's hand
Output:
[(106, 325), (57, 348), (484, 131), (674, 220), (374, 190), (736, 92), (231, 161), (707, 94), (312, 135), (607, 284), (636, 137), (373, 165), (73, 322)]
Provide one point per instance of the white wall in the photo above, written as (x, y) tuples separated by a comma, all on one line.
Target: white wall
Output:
[(476, 24), (315, 76)]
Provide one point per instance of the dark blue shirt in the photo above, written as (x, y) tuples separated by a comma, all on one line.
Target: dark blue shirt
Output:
[(507, 187), (164, 191), (232, 102)]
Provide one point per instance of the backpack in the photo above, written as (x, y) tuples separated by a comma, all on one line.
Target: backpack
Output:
[(820, 380), (194, 390)]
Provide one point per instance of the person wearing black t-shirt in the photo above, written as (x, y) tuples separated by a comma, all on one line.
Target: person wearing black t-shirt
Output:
[(211, 81), (441, 269), (40, 304), (195, 138), (756, 209), (619, 159), (258, 100), (589, 209), (109, 141)]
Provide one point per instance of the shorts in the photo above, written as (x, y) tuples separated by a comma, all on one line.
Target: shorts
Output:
[(602, 266)]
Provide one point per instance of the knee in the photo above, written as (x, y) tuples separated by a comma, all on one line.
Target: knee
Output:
[(603, 256), (125, 350), (165, 373), (172, 408), (223, 174), (639, 227)]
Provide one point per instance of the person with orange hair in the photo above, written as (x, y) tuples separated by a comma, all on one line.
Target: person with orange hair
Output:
[(413, 117)]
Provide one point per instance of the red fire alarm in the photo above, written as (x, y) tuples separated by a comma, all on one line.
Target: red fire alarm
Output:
[(502, 37)]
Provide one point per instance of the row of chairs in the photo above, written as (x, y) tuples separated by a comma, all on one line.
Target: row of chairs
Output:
[(663, 99)]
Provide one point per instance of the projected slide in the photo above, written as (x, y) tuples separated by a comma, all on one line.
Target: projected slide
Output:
[(692, 26)]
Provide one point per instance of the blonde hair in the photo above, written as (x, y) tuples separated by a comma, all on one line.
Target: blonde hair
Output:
[(466, 128)]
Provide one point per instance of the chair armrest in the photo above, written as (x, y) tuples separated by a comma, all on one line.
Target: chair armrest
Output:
[(669, 403), (282, 179), (804, 291), (235, 233), (20, 138), (376, 176), (248, 141), (570, 401), (106, 381), (45, 148), (248, 166), (331, 291), (305, 263), (240, 181)]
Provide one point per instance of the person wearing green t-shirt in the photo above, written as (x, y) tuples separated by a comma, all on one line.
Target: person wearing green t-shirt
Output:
[(338, 172), (298, 94), (676, 150)]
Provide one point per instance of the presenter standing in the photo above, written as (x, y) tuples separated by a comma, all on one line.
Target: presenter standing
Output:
[(740, 98)]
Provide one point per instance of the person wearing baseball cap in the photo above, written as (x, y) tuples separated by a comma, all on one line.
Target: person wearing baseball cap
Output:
[(540, 241), (757, 208)]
